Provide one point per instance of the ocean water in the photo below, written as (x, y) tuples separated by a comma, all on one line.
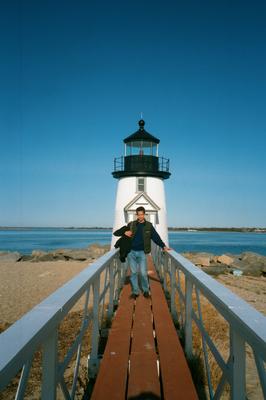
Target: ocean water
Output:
[(48, 239), (218, 242)]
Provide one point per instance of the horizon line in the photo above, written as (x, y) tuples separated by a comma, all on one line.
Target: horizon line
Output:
[(105, 227)]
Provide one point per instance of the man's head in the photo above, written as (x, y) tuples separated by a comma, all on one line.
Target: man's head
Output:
[(140, 211)]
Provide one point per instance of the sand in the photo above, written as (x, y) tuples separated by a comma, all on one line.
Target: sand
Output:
[(250, 288), (25, 284)]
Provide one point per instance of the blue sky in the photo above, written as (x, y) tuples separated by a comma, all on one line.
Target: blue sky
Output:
[(74, 77)]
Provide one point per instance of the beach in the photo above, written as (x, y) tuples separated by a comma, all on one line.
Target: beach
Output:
[(250, 288), (25, 284)]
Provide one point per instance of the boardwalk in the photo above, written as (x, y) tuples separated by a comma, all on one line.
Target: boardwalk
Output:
[(143, 355)]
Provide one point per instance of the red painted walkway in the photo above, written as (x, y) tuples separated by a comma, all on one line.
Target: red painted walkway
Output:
[(143, 357)]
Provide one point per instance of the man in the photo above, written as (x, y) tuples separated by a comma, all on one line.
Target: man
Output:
[(141, 233)]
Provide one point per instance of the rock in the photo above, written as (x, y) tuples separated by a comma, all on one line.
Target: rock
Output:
[(10, 256), (80, 255), (59, 257), (253, 258), (26, 257), (248, 270), (203, 259), (44, 257), (250, 263), (61, 254), (37, 253), (237, 263), (224, 259), (215, 269), (93, 252), (96, 250), (60, 251)]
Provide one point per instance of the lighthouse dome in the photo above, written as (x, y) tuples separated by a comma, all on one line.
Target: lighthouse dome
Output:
[(141, 135)]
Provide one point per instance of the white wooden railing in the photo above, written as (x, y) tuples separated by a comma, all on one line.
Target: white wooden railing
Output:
[(99, 284), (246, 325)]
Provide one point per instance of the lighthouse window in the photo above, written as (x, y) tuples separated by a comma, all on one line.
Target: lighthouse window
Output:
[(140, 184)]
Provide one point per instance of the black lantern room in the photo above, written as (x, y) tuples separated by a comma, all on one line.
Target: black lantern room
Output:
[(141, 156)]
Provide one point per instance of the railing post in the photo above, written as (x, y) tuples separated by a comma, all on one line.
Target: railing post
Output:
[(94, 361), (111, 289), (157, 260), (154, 254), (165, 268), (188, 320), (160, 261), (49, 367), (118, 283), (238, 356), (173, 283)]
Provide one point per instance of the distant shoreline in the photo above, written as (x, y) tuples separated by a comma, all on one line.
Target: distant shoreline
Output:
[(170, 229), (219, 229), (28, 228)]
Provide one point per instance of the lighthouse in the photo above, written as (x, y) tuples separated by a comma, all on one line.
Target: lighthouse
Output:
[(141, 173)]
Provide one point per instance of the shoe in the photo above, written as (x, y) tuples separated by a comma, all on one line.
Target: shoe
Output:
[(134, 295), (146, 294)]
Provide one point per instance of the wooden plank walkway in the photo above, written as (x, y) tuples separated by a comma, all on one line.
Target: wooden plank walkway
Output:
[(143, 358)]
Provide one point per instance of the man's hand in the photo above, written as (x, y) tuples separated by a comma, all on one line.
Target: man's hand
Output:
[(128, 233), (167, 248)]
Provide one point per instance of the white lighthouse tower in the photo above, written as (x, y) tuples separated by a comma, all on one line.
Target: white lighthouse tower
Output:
[(141, 174)]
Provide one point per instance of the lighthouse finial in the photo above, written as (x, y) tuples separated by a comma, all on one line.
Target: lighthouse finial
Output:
[(141, 124)]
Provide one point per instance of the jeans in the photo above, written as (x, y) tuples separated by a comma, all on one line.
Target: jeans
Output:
[(135, 259)]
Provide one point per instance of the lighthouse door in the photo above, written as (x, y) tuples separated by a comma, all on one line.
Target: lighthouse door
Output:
[(142, 199)]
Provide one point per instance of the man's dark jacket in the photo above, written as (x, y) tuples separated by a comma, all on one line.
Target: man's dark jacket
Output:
[(149, 233), (124, 243)]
